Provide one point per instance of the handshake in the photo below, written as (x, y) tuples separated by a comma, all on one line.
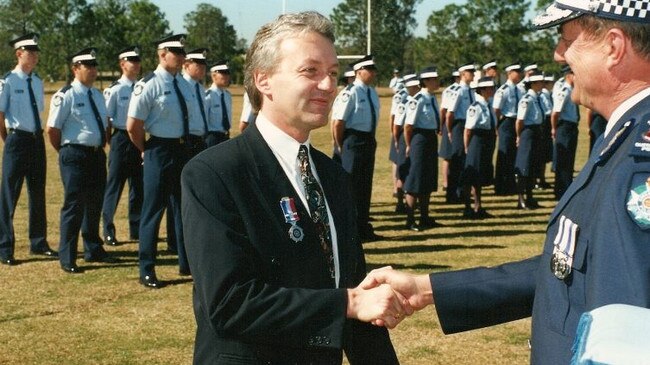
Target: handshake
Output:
[(386, 296)]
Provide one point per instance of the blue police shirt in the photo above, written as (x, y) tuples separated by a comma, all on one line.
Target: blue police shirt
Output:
[(564, 105), (420, 112), (479, 115), (197, 127), (547, 102), (506, 99), (355, 109), (155, 102), (117, 98), (15, 101), (70, 111), (529, 109), (460, 100), (215, 109)]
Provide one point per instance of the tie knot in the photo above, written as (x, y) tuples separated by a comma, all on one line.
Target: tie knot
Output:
[(29, 79)]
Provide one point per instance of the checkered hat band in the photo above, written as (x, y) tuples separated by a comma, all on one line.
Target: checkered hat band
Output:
[(637, 10)]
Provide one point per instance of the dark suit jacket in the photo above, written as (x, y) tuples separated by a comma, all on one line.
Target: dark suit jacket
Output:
[(611, 261), (259, 296)]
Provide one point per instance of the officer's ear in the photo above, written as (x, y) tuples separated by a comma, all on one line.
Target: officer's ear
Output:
[(617, 46), (262, 82)]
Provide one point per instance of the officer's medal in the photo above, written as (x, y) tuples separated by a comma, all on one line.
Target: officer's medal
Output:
[(563, 248), (291, 216)]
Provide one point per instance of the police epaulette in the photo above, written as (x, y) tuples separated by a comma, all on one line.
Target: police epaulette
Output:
[(148, 77), (207, 92), (116, 82), (65, 88), (6, 75), (504, 86), (36, 74), (417, 96), (348, 86)]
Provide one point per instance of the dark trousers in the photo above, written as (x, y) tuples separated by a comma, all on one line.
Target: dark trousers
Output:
[(24, 157), (566, 143), (358, 159), (214, 138), (83, 173), (456, 162), (163, 161), (124, 164), (504, 177)]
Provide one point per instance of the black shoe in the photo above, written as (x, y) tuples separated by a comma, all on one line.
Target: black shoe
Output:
[(532, 204), (371, 237), (426, 223), (45, 252), (9, 261), (468, 213), (71, 269), (483, 214), (134, 237), (107, 259), (111, 241), (413, 227), (150, 281)]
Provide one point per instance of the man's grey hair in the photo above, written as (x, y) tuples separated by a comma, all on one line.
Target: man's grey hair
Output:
[(263, 54), (639, 33)]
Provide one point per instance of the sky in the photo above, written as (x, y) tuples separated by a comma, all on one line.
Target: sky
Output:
[(246, 16)]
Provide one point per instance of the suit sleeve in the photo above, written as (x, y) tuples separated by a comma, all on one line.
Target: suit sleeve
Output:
[(482, 297), (230, 288)]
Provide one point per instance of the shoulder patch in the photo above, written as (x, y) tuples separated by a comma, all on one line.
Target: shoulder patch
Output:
[(638, 199), (413, 104), (471, 111), (345, 96), (400, 109)]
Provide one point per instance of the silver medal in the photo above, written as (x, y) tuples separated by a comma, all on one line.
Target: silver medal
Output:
[(559, 266), (296, 234)]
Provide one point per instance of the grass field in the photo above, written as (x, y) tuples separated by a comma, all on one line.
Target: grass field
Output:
[(104, 316)]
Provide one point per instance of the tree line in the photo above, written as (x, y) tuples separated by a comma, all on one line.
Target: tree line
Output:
[(474, 31)]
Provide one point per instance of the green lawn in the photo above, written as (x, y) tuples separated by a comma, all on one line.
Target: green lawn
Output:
[(104, 316)]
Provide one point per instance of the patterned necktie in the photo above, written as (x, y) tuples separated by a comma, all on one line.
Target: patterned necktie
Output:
[(199, 98), (32, 100), (372, 111), (98, 118), (181, 101), (316, 202), (224, 112)]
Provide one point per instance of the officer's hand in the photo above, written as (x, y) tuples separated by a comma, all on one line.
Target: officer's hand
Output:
[(408, 151), (517, 141), (553, 133)]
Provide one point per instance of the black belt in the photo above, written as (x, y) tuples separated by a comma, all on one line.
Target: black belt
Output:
[(178, 140), (424, 131), (22, 133), (84, 147), (224, 134), (357, 133)]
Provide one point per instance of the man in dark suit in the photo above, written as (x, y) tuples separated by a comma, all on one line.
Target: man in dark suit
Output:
[(270, 229), (597, 250)]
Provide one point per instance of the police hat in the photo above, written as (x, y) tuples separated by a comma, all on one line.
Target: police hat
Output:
[(513, 67), (198, 55), (87, 56), (396, 70), (220, 67), (174, 43), (549, 78), (365, 63), (530, 67), (411, 79), (455, 73), (428, 73), (490, 65), (467, 67), (27, 42), (622, 10), (483, 82), (535, 76), (130, 54), (349, 72)]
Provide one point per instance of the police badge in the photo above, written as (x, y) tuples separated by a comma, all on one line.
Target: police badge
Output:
[(638, 200)]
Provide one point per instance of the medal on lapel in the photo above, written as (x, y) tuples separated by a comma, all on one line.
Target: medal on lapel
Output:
[(291, 216), (563, 247)]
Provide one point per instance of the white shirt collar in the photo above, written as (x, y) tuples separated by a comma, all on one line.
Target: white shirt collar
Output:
[(624, 107)]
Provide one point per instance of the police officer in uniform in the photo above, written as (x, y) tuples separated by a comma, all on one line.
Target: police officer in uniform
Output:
[(78, 130), (21, 102), (395, 154), (546, 140), (161, 106), (564, 122), (505, 103), (396, 82), (248, 115), (421, 125), (124, 162), (459, 102), (354, 131), (479, 140), (219, 102), (530, 116), (490, 70), (194, 70), (445, 146), (346, 81)]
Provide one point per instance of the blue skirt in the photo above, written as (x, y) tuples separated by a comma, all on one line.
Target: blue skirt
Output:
[(423, 170)]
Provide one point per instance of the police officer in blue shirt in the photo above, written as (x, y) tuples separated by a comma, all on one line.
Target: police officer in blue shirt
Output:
[(459, 102), (78, 130), (490, 69), (530, 116), (546, 141), (421, 125), (21, 102), (479, 140), (346, 80), (124, 162), (445, 145), (161, 107), (219, 102), (505, 103), (354, 131), (564, 122), (194, 69), (395, 153)]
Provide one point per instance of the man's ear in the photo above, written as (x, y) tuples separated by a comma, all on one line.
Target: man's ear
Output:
[(616, 43), (262, 82)]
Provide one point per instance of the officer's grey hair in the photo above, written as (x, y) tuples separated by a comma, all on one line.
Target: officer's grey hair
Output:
[(263, 54), (639, 33)]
